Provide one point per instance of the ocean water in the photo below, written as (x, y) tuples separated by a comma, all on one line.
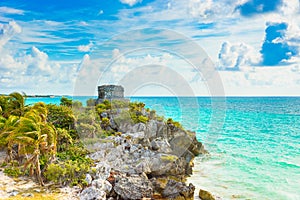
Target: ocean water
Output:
[(56, 99), (254, 143)]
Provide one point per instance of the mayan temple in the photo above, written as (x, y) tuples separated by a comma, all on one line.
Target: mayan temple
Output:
[(110, 92)]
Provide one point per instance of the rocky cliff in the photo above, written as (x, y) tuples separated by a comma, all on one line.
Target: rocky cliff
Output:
[(145, 160)]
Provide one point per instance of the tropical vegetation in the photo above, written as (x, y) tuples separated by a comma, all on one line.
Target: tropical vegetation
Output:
[(49, 142)]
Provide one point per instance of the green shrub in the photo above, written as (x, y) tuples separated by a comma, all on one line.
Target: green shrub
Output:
[(88, 117), (105, 123), (119, 104), (74, 152), (123, 117), (66, 102), (136, 106), (64, 139), (13, 171), (143, 119), (61, 116), (90, 102), (67, 172), (170, 121), (76, 104)]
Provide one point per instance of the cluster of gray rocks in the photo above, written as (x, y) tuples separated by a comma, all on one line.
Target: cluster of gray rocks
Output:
[(146, 161)]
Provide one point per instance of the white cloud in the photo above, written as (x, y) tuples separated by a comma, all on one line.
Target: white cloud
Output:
[(200, 8), (8, 10), (116, 53), (290, 7), (7, 31), (234, 56), (209, 10), (30, 72), (85, 48), (262, 81), (130, 2), (38, 63)]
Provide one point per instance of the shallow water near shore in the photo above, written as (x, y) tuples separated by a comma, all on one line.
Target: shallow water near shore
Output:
[(256, 153), (253, 142)]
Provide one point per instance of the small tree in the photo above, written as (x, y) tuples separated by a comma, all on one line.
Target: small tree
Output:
[(91, 102), (66, 102)]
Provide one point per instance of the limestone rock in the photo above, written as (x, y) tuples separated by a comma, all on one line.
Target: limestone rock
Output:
[(205, 195), (178, 190), (13, 193), (139, 127), (102, 185), (151, 129), (133, 187), (92, 193), (88, 179), (167, 164), (103, 170)]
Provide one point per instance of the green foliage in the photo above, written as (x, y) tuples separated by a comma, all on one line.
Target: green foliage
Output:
[(86, 130), (16, 104), (105, 106), (71, 167), (160, 118), (91, 102), (54, 173), (68, 172), (105, 123), (108, 133), (61, 116), (86, 116), (123, 117), (171, 122), (119, 104), (88, 123), (13, 171), (136, 106), (7, 128), (64, 139), (66, 102), (136, 110), (3, 104), (143, 119), (76, 104), (43, 132), (74, 151)]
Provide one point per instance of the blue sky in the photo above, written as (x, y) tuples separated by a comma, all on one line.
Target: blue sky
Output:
[(68, 47)]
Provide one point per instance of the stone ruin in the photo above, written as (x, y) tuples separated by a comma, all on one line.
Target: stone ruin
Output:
[(110, 92)]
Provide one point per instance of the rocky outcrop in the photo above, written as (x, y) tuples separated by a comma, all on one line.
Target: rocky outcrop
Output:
[(205, 195), (133, 186), (146, 161)]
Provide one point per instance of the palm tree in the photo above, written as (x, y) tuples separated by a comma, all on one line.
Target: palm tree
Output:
[(16, 104), (36, 137), (3, 104), (30, 132), (7, 133)]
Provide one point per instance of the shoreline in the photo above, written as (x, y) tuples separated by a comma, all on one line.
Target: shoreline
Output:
[(141, 154)]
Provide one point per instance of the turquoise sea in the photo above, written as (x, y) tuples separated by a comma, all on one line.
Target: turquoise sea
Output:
[(254, 142)]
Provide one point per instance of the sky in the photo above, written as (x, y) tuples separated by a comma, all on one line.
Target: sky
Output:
[(152, 47)]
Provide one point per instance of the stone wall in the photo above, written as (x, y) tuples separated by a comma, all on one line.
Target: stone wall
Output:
[(110, 92)]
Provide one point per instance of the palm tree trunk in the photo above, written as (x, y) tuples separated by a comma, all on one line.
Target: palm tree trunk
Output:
[(38, 171)]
